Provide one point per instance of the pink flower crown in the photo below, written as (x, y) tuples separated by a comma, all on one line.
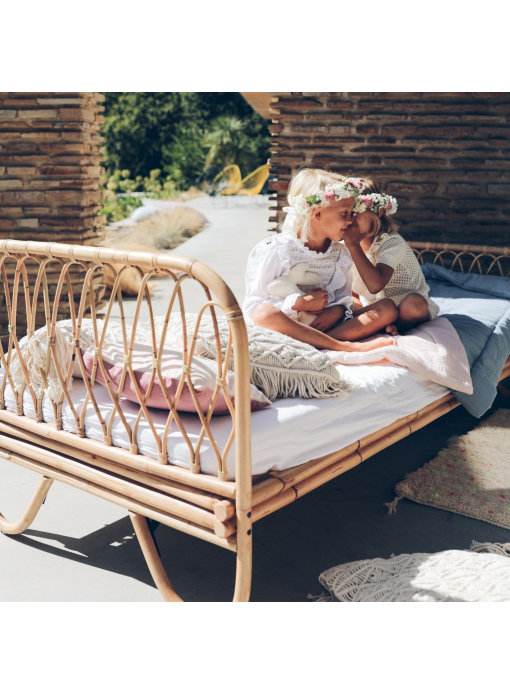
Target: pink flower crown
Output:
[(375, 202)]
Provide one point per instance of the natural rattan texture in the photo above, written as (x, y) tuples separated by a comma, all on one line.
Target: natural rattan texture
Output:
[(208, 507), (484, 260)]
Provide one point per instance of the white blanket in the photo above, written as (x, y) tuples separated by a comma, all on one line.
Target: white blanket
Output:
[(432, 350)]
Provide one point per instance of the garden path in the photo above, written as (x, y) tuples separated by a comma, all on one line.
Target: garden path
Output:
[(235, 226)]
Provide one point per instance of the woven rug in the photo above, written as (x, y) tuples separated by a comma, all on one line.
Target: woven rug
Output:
[(471, 477), (481, 573)]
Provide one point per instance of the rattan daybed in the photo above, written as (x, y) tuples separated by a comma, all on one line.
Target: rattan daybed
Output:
[(210, 507)]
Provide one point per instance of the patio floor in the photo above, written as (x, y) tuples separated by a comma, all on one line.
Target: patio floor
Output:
[(81, 548)]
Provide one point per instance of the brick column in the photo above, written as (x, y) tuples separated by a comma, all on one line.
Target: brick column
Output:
[(445, 156), (50, 163)]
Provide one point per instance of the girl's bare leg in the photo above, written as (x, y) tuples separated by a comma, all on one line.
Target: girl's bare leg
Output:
[(412, 310), (367, 321), (269, 316)]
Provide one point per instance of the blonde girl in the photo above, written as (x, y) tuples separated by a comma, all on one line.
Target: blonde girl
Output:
[(321, 211), (386, 266)]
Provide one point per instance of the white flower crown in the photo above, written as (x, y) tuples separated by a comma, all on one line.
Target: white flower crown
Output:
[(348, 188), (375, 202)]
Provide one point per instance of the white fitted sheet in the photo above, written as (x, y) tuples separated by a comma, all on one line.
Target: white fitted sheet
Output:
[(288, 433)]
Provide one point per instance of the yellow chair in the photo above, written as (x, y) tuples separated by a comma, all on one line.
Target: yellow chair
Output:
[(230, 178), (254, 182)]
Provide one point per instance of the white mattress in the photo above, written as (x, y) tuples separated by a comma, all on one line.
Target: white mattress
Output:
[(290, 432)]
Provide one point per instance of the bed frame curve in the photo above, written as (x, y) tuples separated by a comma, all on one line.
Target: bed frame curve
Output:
[(209, 507)]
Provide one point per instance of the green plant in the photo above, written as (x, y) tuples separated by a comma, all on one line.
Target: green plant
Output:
[(167, 130), (117, 208), (225, 141), (119, 182)]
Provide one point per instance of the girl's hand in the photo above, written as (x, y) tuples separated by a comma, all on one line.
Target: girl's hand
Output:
[(352, 236), (328, 318), (313, 302)]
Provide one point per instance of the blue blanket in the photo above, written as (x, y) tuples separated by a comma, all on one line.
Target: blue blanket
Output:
[(478, 307)]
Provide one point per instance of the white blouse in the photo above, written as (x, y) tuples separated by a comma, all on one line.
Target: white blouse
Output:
[(276, 255)]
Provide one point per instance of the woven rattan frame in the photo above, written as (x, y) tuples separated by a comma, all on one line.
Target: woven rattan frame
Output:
[(484, 260), (208, 507)]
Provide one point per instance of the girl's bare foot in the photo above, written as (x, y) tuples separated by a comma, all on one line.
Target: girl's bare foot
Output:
[(366, 344), (392, 329)]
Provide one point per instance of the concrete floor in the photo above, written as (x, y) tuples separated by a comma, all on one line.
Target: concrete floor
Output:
[(81, 548)]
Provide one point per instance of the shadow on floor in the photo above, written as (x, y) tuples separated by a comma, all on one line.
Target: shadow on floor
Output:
[(342, 521)]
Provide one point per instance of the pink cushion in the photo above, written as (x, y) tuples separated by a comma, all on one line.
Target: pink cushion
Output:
[(203, 376)]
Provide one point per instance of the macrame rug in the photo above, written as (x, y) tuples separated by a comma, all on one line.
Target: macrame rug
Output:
[(471, 477), (481, 573)]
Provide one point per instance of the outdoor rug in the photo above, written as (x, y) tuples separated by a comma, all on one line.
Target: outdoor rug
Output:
[(481, 573), (471, 477)]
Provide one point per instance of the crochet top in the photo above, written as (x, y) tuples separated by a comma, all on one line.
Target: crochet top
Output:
[(391, 249), (275, 256)]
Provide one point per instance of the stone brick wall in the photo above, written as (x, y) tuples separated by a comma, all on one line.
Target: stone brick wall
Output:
[(445, 156), (50, 163)]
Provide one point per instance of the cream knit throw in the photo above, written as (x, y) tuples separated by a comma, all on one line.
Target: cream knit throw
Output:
[(281, 367), (479, 574)]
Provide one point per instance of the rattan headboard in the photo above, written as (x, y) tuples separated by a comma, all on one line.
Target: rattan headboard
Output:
[(463, 258)]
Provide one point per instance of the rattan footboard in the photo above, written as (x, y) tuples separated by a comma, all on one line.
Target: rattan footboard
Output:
[(206, 506), (181, 498)]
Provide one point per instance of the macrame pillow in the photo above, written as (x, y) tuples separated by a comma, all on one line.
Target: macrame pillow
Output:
[(203, 377), (280, 367), (479, 574)]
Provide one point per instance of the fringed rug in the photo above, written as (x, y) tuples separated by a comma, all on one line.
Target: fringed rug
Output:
[(481, 573), (471, 477)]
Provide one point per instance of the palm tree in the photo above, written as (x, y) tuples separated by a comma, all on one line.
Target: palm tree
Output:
[(226, 140)]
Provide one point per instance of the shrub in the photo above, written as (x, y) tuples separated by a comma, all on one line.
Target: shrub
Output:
[(117, 208), (166, 130), (161, 231)]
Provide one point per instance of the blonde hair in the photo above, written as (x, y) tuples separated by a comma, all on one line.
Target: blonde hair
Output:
[(305, 183), (384, 223)]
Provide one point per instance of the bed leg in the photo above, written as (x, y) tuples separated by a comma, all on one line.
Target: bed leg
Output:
[(151, 556), (13, 527), (244, 558)]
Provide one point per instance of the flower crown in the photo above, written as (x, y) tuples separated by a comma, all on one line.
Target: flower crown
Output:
[(375, 202), (348, 188)]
